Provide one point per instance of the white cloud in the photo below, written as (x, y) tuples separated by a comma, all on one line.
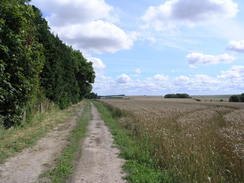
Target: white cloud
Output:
[(199, 83), (138, 71), (63, 12), (97, 36), (86, 25), (97, 63), (236, 72), (196, 81), (184, 79), (204, 79), (233, 79), (104, 85), (237, 46), (188, 12), (156, 85), (230, 81), (199, 58), (160, 77), (123, 79)]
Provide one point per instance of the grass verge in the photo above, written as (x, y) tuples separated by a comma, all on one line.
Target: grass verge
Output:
[(16, 139), (64, 165), (139, 166)]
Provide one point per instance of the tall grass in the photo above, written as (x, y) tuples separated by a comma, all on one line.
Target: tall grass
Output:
[(196, 142)]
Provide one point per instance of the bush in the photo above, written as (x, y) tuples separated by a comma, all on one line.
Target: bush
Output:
[(237, 98), (177, 95)]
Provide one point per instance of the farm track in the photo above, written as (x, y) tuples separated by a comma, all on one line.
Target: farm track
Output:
[(99, 162), (27, 166)]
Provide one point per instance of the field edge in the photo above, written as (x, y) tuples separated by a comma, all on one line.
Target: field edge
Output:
[(139, 166)]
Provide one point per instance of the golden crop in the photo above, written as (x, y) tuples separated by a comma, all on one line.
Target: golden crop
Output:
[(197, 141)]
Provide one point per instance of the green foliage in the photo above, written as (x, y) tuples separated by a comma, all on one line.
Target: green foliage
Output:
[(67, 76), (237, 98), (35, 64), (21, 60), (92, 95), (177, 95), (242, 97)]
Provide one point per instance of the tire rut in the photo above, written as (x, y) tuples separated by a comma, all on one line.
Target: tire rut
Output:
[(99, 162), (26, 166)]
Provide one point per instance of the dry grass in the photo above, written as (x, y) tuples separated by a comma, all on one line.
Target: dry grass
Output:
[(197, 142), (14, 140)]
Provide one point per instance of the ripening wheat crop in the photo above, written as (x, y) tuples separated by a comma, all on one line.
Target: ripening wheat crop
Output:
[(197, 142)]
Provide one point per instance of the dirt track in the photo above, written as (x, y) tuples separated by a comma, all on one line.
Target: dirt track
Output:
[(29, 164), (99, 162)]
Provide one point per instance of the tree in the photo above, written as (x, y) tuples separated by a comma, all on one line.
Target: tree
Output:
[(242, 97), (177, 95), (21, 60), (92, 95), (67, 76), (234, 98), (35, 64)]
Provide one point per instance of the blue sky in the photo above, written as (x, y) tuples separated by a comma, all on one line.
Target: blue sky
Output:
[(153, 47)]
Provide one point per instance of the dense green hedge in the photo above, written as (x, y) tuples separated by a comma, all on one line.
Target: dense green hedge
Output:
[(35, 64)]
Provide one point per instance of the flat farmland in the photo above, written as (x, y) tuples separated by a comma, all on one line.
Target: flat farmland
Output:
[(194, 141)]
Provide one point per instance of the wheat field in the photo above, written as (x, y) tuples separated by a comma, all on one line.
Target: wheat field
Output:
[(196, 141)]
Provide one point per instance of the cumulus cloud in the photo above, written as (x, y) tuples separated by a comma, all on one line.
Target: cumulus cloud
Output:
[(236, 72), (237, 46), (123, 79), (156, 84), (97, 36), (205, 79), (233, 79), (160, 77), (199, 58), (62, 12), (188, 12), (198, 79), (230, 81), (86, 25), (97, 63), (127, 85), (180, 79)]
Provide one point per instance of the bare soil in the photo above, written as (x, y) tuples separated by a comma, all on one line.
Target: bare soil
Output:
[(99, 162), (26, 166)]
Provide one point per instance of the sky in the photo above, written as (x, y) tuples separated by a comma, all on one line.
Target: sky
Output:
[(154, 47)]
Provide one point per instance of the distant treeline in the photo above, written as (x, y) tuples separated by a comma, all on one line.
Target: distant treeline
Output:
[(237, 98), (36, 65), (177, 95), (92, 95)]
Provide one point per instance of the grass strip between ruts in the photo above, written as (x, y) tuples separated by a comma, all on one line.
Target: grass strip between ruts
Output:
[(65, 163)]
